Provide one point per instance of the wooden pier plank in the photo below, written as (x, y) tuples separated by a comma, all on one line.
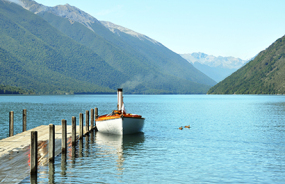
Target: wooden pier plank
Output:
[(23, 139), (14, 152)]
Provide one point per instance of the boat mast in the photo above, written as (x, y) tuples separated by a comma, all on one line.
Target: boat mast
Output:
[(120, 98)]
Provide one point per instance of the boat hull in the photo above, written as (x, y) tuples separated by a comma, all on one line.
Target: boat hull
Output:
[(121, 125)]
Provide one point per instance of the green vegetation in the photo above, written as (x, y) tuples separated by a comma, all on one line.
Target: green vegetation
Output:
[(155, 68), (263, 75), (36, 56), (13, 90), (46, 54)]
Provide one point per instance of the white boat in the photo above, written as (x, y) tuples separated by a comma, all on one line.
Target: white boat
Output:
[(119, 122)]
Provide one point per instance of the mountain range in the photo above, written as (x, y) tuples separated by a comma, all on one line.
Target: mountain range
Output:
[(217, 68), (264, 74), (62, 49)]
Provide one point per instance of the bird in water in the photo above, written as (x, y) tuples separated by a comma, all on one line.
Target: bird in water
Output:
[(187, 126), (180, 128)]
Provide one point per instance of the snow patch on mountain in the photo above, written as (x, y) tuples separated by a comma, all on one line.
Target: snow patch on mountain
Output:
[(213, 61)]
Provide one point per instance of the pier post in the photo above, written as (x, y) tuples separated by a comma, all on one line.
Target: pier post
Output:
[(11, 124), (87, 121), (63, 164), (73, 130), (24, 120), (96, 113), (51, 172), (64, 136), (92, 136), (96, 117), (87, 145), (80, 126), (92, 119), (51, 143), (80, 148), (34, 153)]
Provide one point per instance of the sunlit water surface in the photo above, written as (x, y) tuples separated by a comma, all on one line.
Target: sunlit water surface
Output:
[(232, 139)]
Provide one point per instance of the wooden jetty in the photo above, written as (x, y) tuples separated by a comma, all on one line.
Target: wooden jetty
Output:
[(22, 140), (17, 160), (15, 152)]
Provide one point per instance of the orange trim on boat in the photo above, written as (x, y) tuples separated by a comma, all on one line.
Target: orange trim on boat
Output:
[(117, 114)]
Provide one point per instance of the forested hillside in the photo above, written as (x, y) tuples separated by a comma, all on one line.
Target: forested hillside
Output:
[(13, 90), (50, 54), (36, 56), (263, 75), (153, 65)]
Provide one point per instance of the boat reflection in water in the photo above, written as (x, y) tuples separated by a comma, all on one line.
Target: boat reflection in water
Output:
[(115, 146)]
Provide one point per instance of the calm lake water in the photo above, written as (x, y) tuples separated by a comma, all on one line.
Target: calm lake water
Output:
[(232, 139)]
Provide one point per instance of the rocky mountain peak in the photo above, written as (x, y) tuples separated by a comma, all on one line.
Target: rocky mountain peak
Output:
[(199, 55), (66, 11), (117, 29), (74, 14), (213, 61)]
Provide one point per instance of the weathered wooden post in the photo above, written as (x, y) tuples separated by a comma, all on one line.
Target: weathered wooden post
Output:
[(92, 119), (80, 126), (73, 130), (96, 113), (92, 136), (63, 146), (73, 153), (63, 164), (24, 120), (34, 153), (51, 143), (11, 123), (34, 179), (87, 121), (80, 148), (51, 172), (96, 117), (64, 136), (87, 145)]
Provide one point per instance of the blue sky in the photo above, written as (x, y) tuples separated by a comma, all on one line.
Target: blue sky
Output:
[(239, 28)]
